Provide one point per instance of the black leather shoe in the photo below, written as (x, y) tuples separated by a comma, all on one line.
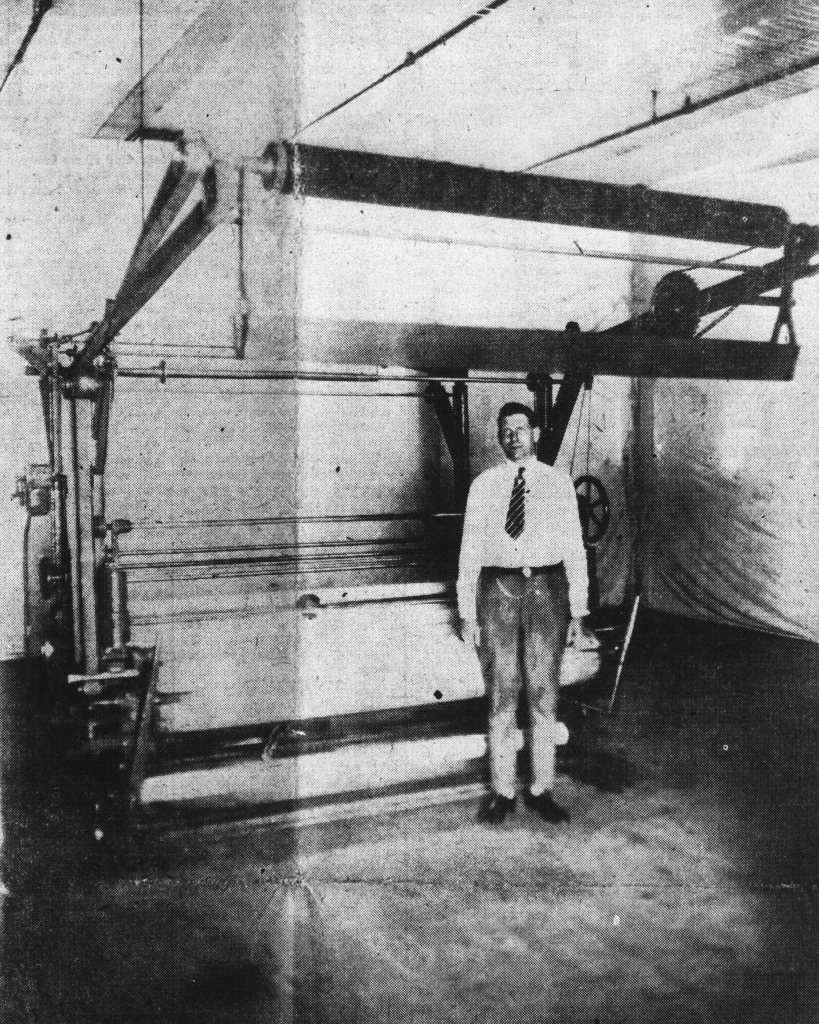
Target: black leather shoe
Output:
[(495, 808), (545, 806)]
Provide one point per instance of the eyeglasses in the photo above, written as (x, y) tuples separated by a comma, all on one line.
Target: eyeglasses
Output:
[(511, 435)]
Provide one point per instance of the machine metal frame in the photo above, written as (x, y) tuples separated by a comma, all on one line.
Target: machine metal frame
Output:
[(109, 678)]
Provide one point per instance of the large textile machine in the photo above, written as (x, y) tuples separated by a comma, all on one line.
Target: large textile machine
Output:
[(252, 559)]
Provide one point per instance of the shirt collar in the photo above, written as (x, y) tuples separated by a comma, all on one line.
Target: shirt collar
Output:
[(526, 464)]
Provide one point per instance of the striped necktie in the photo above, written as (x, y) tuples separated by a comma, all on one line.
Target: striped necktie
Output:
[(515, 517)]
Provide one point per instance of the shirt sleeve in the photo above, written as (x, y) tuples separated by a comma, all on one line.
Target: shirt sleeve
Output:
[(470, 562), (574, 555)]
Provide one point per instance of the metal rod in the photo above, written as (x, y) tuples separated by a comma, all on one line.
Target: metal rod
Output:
[(76, 570), (298, 546), (27, 586), (47, 382), (271, 559), (60, 512), (624, 652), (294, 570), (85, 536), (753, 283), (496, 246), (137, 765), (460, 406), (377, 517), (185, 373)]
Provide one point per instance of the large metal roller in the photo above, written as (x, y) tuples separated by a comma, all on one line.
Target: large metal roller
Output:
[(337, 692), (325, 173), (328, 653)]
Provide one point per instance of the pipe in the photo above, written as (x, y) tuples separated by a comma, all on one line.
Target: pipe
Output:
[(460, 408), (82, 562), (116, 629), (179, 373), (299, 558), (48, 385), (26, 588), (87, 552), (232, 549), (378, 517), (76, 587), (295, 570), (60, 512), (497, 246)]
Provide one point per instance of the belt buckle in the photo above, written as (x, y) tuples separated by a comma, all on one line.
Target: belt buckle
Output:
[(527, 572)]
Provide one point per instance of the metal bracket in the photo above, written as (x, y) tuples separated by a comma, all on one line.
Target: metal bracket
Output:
[(453, 419), (540, 384), (162, 247), (797, 250), (553, 413), (562, 409), (102, 412)]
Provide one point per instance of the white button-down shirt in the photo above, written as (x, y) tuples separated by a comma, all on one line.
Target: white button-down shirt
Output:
[(551, 532)]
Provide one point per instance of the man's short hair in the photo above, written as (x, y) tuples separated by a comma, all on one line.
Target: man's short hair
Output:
[(516, 409)]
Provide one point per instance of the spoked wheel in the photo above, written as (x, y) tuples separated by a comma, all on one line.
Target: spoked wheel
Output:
[(593, 506)]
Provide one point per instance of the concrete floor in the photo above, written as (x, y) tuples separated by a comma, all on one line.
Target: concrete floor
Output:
[(684, 889)]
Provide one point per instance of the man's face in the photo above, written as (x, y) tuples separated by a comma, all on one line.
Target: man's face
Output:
[(517, 438)]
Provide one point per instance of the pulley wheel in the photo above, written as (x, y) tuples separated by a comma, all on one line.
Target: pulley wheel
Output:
[(593, 506), (676, 305)]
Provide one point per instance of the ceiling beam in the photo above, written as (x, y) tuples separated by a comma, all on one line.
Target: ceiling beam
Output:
[(382, 180), (442, 348), (688, 108)]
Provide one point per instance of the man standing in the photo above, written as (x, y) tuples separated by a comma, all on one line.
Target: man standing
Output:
[(522, 585)]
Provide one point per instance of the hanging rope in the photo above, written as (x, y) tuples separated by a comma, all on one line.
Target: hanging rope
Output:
[(142, 103), (410, 59)]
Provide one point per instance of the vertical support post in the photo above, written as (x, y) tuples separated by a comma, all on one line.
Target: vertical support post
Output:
[(562, 409), (460, 402), (594, 583), (541, 387), (272, 243), (83, 562), (784, 317), (454, 427), (72, 497), (68, 599), (642, 475), (49, 414)]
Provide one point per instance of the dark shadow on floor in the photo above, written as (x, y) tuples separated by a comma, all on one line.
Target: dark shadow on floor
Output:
[(684, 888)]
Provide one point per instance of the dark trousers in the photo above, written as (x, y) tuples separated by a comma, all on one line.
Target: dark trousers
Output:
[(523, 624)]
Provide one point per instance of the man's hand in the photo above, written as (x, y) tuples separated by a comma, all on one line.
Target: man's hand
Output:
[(581, 637), (471, 632)]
